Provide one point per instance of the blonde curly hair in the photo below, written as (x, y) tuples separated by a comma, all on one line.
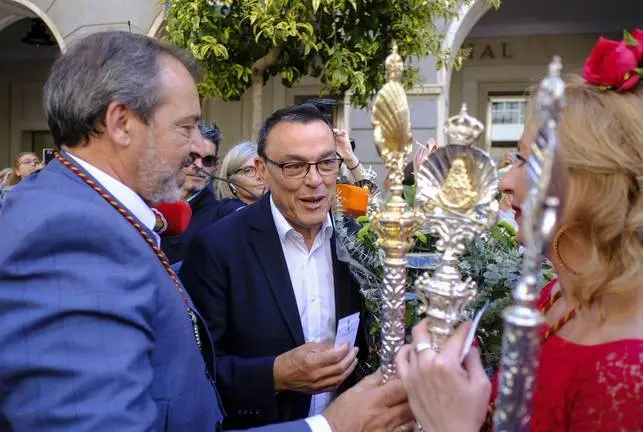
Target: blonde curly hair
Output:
[(601, 136)]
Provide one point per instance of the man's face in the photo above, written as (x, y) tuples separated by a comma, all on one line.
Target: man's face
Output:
[(304, 202), (195, 179), (170, 137)]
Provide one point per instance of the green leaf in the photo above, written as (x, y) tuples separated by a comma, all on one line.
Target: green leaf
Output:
[(421, 237), (409, 195), (362, 220), (316, 5), (629, 39), (362, 233)]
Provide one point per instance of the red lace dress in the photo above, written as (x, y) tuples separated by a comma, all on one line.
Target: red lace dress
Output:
[(586, 388)]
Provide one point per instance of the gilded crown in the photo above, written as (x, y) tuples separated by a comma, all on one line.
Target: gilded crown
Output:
[(463, 129), (394, 65)]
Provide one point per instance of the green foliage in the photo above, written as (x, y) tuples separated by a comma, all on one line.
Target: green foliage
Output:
[(342, 42), (492, 260)]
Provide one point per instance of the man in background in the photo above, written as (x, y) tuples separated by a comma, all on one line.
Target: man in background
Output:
[(199, 193)]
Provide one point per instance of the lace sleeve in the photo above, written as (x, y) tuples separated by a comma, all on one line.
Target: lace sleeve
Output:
[(609, 396)]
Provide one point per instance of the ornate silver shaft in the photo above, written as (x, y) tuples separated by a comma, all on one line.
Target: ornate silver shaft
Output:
[(521, 337), (393, 313), (395, 223), (519, 363), (394, 226), (444, 295)]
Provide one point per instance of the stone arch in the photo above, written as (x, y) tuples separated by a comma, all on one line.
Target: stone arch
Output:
[(456, 32), (28, 4)]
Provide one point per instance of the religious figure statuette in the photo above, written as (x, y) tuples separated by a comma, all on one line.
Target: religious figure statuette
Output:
[(456, 188)]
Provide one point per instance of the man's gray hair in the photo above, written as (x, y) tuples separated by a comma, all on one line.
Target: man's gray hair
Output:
[(102, 68)]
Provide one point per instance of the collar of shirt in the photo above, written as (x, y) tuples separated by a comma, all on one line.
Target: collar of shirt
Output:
[(284, 227), (130, 199)]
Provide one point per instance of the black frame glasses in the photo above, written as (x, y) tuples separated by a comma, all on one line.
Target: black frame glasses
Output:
[(330, 166), (208, 161)]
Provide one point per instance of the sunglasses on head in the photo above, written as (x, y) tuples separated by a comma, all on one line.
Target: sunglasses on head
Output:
[(207, 161)]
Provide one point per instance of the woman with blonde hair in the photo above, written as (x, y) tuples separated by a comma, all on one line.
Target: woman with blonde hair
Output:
[(238, 168), (24, 165), (590, 375)]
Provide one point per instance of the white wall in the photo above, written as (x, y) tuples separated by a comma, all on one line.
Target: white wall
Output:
[(512, 65)]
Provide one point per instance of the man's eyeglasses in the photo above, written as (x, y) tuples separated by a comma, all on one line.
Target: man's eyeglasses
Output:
[(326, 167), (248, 171), (207, 161)]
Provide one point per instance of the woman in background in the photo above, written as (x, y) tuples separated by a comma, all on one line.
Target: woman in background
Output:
[(238, 167), (24, 165)]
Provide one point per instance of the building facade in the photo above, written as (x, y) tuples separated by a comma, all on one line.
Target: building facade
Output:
[(510, 50)]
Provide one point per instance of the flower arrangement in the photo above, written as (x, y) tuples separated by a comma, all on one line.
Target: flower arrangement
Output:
[(492, 260), (616, 65)]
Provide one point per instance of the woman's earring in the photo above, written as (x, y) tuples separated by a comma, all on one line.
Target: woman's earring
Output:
[(559, 261), (234, 190)]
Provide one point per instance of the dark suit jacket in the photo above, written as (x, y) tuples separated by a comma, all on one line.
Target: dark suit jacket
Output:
[(237, 275), (206, 210)]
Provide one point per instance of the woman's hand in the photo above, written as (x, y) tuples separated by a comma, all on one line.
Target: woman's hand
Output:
[(346, 152), (344, 145), (445, 395)]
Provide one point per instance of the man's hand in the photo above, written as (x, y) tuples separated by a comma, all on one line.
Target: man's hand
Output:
[(314, 368), (370, 406)]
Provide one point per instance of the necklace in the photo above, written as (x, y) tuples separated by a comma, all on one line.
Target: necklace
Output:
[(148, 239)]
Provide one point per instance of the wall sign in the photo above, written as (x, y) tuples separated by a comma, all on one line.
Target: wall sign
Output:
[(494, 51)]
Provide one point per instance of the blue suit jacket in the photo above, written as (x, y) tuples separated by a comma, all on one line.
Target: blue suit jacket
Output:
[(94, 334), (237, 275)]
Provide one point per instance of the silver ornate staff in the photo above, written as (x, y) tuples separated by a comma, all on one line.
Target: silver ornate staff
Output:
[(456, 189), (521, 337), (395, 223)]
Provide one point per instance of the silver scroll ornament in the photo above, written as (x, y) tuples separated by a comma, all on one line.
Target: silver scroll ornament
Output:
[(523, 320)]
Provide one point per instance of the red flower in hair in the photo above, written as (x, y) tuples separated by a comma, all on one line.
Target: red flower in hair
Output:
[(612, 65)]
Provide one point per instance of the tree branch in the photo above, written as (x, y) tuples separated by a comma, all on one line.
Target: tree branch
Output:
[(266, 61)]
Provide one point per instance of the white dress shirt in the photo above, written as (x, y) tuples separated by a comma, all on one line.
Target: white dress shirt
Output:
[(311, 275), (130, 199)]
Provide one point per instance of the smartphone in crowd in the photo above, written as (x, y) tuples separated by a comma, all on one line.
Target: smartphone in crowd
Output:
[(47, 155)]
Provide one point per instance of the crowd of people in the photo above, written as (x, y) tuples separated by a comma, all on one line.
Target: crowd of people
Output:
[(110, 325)]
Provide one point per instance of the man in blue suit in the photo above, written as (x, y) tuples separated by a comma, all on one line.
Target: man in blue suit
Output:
[(97, 333)]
